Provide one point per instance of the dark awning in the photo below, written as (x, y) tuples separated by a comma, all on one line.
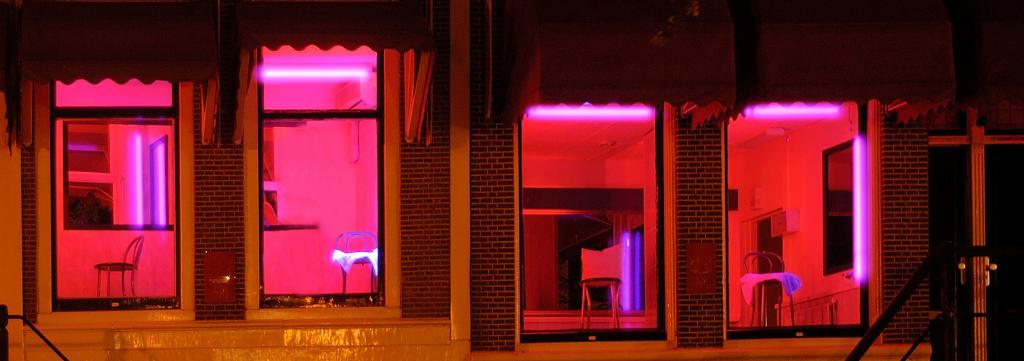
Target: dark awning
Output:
[(990, 57), (816, 50), (379, 25), (65, 40), (575, 51), (6, 29)]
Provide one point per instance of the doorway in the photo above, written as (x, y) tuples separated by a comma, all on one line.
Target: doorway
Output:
[(1004, 210)]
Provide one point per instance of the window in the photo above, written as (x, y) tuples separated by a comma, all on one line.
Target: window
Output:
[(795, 221), (320, 164), (115, 183), (591, 225)]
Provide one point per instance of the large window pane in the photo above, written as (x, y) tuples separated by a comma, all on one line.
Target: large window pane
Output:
[(590, 220), (115, 214), (320, 237), (320, 207), (791, 169)]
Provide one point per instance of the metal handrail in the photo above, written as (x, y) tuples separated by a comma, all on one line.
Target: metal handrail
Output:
[(897, 303), (4, 351)]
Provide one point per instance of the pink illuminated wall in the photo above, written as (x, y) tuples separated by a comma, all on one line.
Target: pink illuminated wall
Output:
[(325, 177), (316, 79), (132, 180), (108, 93), (775, 163), (589, 147)]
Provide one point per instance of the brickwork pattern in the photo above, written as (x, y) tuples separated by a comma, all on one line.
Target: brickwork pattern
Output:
[(904, 224), (219, 218), (219, 183), (426, 195), (28, 232), (492, 202), (699, 179)]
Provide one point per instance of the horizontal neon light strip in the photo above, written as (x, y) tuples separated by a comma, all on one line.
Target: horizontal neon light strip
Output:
[(83, 147), (590, 112), (302, 73), (776, 111)]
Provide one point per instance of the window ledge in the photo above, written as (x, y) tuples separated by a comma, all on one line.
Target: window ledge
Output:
[(170, 320), (782, 351), (593, 346), (354, 314), (134, 318)]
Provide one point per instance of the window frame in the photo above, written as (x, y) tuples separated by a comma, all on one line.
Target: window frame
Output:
[(170, 115), (796, 331), (825, 154), (657, 334), (285, 302)]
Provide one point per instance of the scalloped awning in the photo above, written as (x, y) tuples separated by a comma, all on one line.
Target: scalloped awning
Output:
[(399, 25), (575, 51), (63, 40), (813, 50)]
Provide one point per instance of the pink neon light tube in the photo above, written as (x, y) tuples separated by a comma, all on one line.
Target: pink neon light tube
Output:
[(860, 216), (627, 272), (590, 112), (305, 73), (776, 111)]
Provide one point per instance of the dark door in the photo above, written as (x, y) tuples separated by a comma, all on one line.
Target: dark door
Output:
[(949, 223), (772, 291), (1004, 213)]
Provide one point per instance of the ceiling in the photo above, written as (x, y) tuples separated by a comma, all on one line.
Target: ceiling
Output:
[(583, 140), (750, 133)]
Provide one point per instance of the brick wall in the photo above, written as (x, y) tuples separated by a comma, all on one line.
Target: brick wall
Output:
[(492, 203), (28, 231), (219, 181), (492, 235), (699, 181), (426, 197), (904, 227), (219, 213)]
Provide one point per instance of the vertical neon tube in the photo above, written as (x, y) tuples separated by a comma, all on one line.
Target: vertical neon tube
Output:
[(638, 271), (860, 201), (137, 165), (626, 288), (160, 183)]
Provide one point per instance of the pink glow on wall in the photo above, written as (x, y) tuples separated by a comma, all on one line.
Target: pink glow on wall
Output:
[(317, 79), (588, 112), (109, 93), (794, 111), (860, 210), (138, 197)]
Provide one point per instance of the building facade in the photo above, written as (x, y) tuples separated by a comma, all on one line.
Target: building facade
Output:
[(501, 180)]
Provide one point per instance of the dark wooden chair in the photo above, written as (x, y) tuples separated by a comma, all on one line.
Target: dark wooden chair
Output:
[(129, 263)]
